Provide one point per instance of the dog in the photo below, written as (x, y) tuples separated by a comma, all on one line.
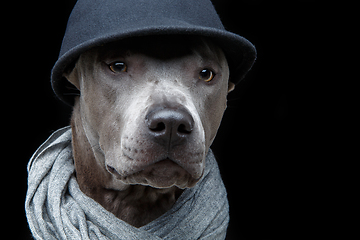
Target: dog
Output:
[(148, 111), (148, 83)]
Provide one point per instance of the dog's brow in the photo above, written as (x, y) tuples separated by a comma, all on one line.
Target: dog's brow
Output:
[(211, 57), (112, 53)]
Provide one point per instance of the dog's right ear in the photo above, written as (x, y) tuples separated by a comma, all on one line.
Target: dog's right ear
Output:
[(73, 77)]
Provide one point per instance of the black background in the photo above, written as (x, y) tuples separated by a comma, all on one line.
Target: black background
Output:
[(269, 135)]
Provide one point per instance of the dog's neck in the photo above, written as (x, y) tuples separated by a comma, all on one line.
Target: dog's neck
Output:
[(137, 205)]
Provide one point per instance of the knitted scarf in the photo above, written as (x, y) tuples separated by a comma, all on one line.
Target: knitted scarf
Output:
[(57, 209)]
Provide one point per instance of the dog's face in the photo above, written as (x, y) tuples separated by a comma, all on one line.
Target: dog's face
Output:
[(151, 107)]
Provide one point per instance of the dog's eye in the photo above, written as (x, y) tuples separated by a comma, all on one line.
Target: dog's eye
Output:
[(117, 67), (206, 75)]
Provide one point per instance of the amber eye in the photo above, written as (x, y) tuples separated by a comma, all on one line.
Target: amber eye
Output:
[(118, 67), (206, 75)]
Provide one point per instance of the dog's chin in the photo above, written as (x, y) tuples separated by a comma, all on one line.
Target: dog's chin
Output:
[(163, 174)]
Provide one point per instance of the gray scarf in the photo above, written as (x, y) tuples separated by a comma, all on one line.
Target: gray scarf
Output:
[(57, 209)]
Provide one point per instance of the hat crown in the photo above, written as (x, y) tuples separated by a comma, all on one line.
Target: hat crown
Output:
[(98, 18)]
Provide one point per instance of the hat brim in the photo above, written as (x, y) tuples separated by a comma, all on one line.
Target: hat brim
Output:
[(240, 53)]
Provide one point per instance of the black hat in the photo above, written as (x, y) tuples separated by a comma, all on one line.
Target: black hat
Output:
[(97, 22)]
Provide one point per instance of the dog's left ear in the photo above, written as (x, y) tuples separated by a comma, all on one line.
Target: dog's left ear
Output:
[(73, 77), (231, 86)]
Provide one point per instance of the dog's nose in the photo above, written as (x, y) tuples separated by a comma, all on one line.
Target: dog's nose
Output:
[(169, 127)]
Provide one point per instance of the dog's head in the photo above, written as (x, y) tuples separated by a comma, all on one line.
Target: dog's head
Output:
[(151, 107)]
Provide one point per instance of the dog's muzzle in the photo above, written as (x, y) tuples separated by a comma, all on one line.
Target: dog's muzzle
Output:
[(166, 148)]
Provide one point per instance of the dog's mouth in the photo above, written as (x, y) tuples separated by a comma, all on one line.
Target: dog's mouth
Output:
[(162, 174)]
